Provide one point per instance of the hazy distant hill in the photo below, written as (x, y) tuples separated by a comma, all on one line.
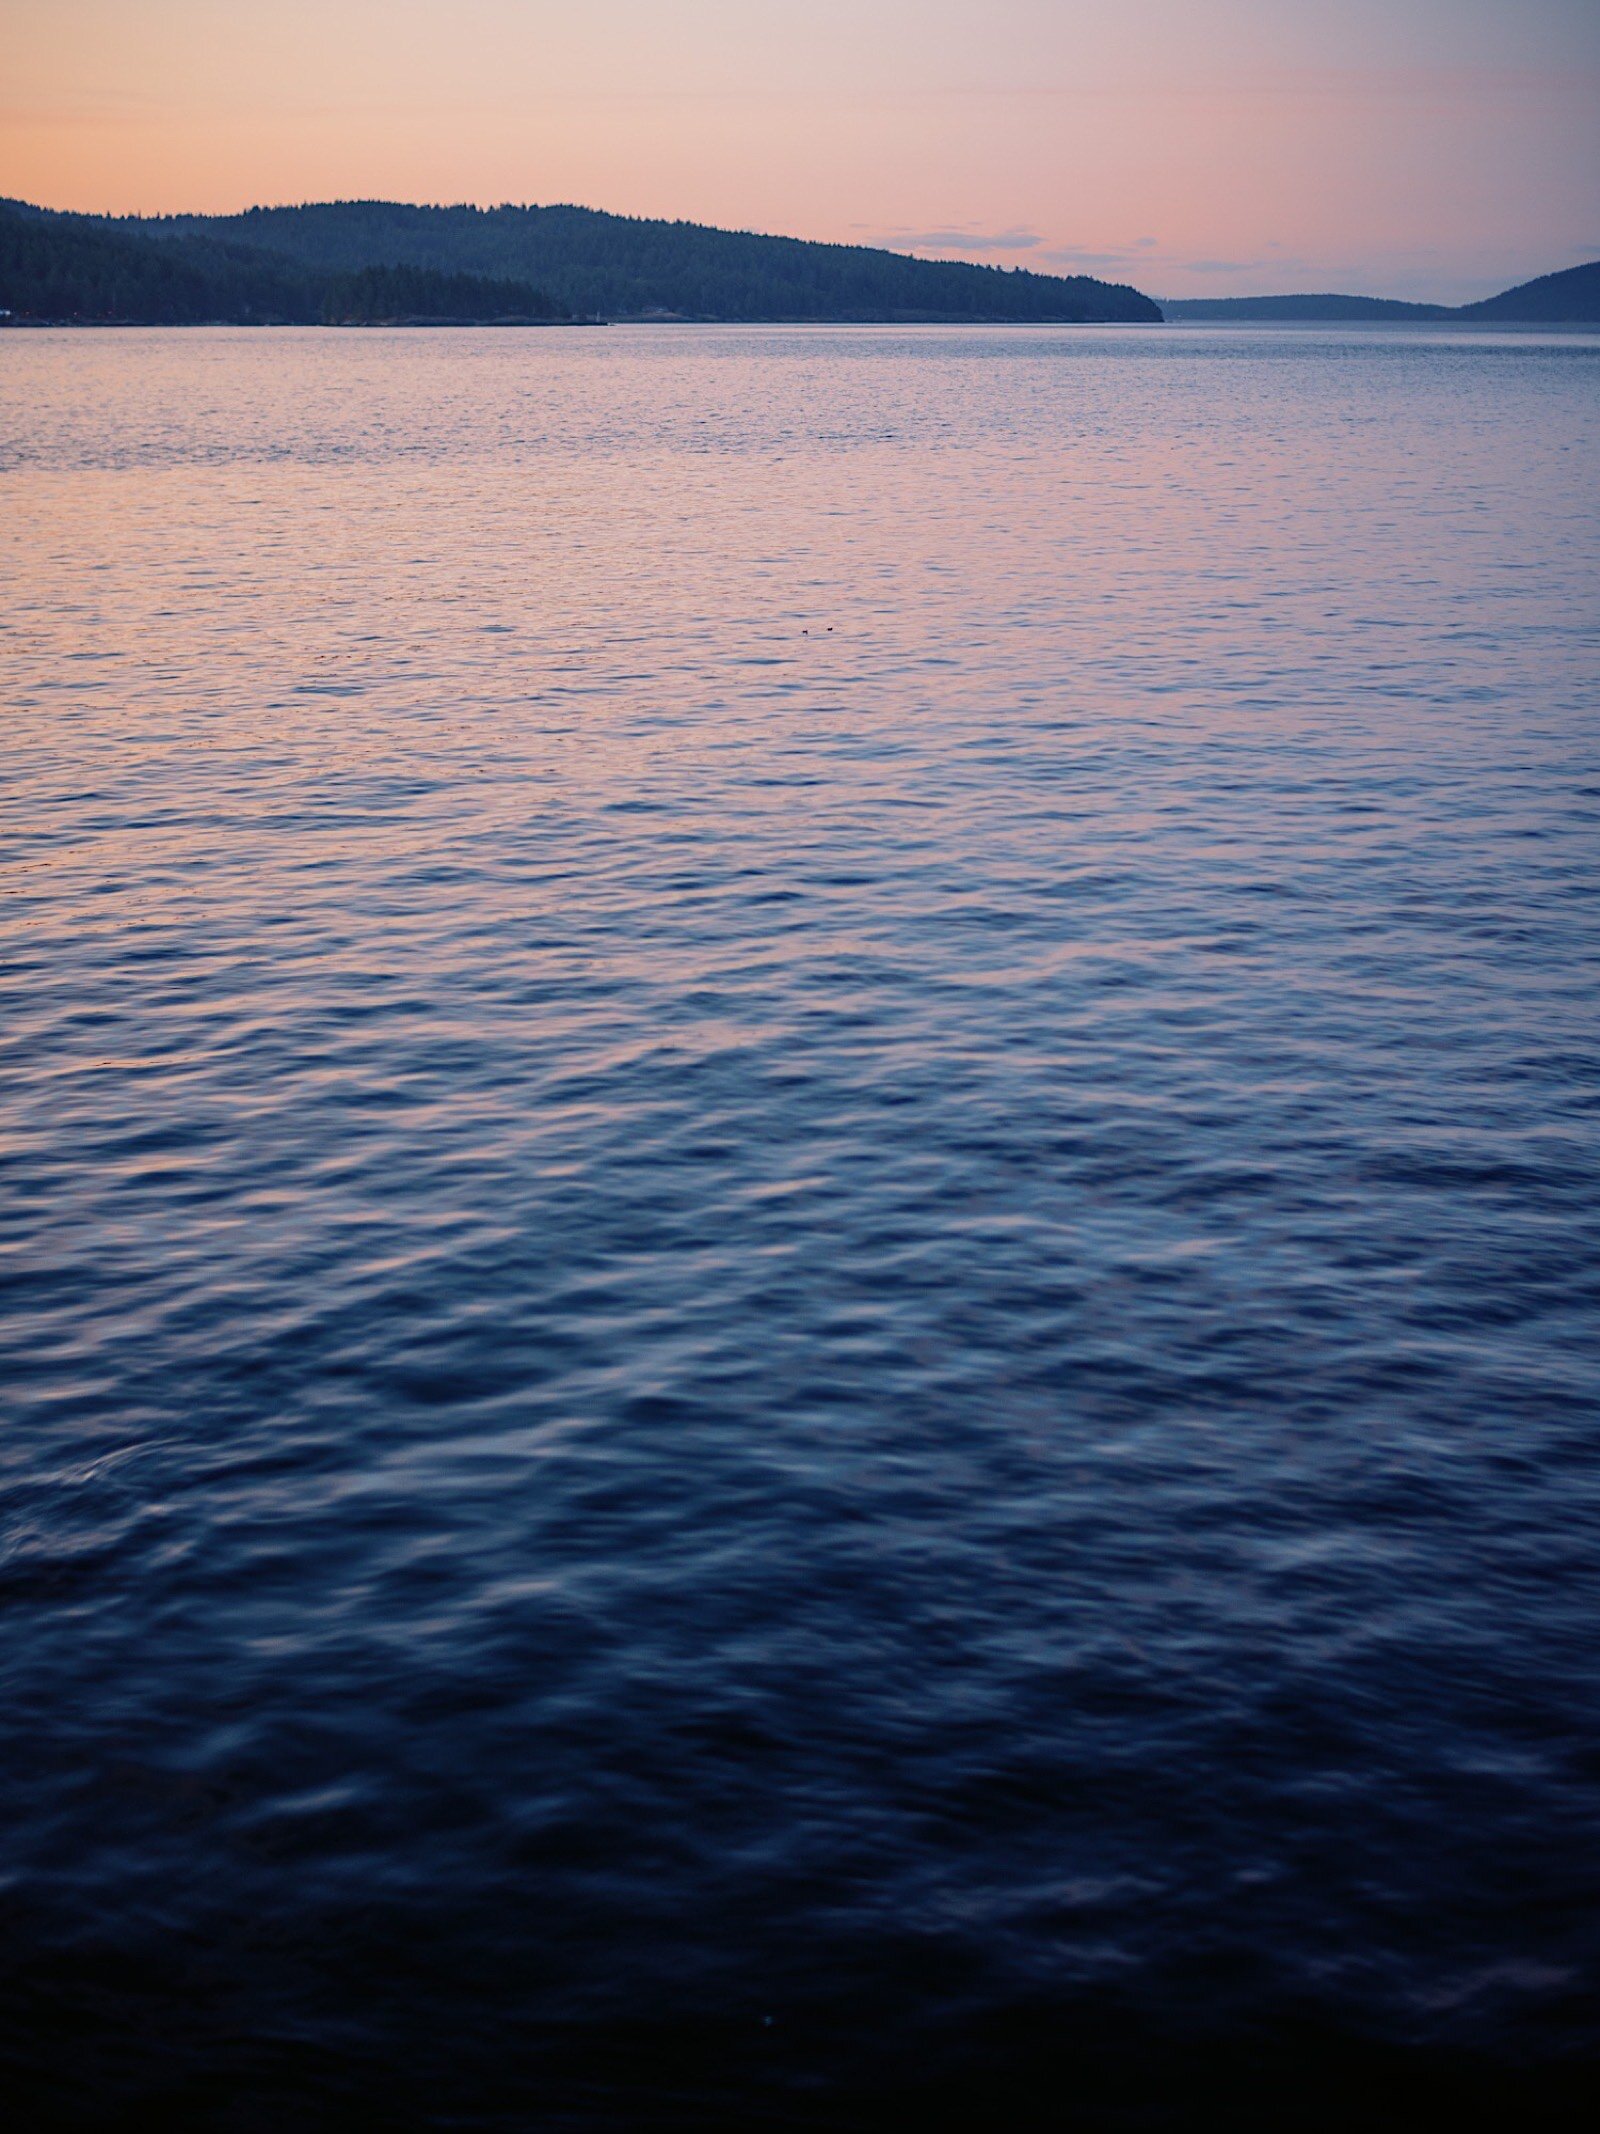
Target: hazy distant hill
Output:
[(1298, 307), (275, 263), (1571, 298)]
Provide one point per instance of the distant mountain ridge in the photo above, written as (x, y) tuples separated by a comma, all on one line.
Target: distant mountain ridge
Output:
[(275, 266), (1569, 298)]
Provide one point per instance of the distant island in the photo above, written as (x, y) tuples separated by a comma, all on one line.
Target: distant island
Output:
[(1571, 298), (365, 262)]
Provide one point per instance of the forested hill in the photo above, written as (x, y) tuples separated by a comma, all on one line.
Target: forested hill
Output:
[(584, 262), (616, 266), (64, 267), (71, 267), (388, 296)]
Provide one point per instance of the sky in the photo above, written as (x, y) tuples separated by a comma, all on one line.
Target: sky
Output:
[(1432, 148)]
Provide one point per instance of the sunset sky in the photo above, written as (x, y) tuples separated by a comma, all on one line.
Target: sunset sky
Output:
[(1438, 148)]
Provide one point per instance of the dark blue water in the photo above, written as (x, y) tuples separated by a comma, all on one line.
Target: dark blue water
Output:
[(798, 1217)]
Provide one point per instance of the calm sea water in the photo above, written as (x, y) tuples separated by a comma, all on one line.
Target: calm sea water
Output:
[(798, 1205)]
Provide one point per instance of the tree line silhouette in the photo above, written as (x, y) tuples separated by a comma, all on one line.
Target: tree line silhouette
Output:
[(289, 265)]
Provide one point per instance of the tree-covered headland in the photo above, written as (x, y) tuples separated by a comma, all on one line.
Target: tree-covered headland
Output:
[(302, 265)]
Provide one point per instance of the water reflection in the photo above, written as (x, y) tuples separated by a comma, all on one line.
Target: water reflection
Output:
[(799, 1189)]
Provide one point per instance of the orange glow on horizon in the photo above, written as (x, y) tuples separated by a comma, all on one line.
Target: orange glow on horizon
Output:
[(1437, 148)]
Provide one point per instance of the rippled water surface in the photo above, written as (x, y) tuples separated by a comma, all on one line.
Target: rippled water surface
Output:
[(798, 1207)]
